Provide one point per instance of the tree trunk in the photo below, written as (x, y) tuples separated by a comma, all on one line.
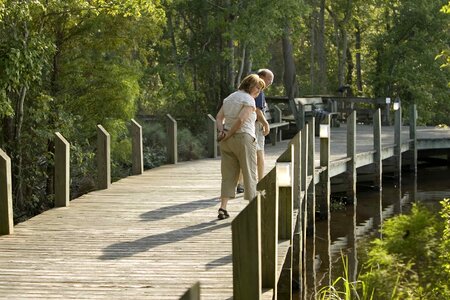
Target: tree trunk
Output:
[(342, 36), (174, 46), (241, 67), (321, 51), (248, 62), (312, 63), (18, 178), (290, 83), (359, 84), (349, 77)]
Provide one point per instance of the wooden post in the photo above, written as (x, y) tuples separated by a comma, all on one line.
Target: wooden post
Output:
[(304, 169), (310, 252), (6, 210), (284, 171), (351, 154), (172, 144), (351, 193), (377, 157), (386, 118), (246, 244), (212, 136), (297, 164), (413, 137), (62, 171), (137, 149), (103, 158), (268, 186), (193, 293), (298, 198), (398, 142), (324, 184), (311, 188)]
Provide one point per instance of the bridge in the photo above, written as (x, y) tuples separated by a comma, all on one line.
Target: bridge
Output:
[(156, 235)]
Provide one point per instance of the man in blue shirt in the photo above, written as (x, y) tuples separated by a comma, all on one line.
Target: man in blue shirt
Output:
[(262, 126)]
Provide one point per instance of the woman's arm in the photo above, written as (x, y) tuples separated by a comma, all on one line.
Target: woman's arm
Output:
[(220, 118)]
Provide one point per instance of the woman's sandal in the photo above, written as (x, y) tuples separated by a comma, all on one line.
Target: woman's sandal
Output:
[(223, 214)]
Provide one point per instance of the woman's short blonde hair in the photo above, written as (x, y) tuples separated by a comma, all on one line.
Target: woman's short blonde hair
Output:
[(251, 81)]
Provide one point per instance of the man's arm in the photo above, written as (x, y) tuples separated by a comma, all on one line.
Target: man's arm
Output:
[(262, 119)]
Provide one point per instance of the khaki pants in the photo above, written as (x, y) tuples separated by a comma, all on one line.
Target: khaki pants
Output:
[(238, 152)]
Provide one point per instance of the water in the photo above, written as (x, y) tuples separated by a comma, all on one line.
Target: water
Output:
[(351, 225)]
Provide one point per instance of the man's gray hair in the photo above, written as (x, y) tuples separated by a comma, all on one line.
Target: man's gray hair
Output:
[(264, 72)]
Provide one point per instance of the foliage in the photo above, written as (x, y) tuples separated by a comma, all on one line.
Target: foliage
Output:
[(405, 58), (410, 261), (344, 288)]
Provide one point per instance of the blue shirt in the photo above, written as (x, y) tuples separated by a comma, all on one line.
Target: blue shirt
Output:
[(260, 101)]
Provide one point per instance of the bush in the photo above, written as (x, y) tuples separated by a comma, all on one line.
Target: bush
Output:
[(411, 261)]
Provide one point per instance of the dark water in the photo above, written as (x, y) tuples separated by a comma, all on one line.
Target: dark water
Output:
[(352, 226)]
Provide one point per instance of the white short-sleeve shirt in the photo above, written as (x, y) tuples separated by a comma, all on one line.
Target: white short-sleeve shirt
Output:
[(232, 106)]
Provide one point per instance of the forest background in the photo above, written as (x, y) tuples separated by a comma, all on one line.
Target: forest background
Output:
[(68, 65)]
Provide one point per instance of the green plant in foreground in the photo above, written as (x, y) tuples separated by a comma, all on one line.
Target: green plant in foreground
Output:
[(412, 261), (343, 288)]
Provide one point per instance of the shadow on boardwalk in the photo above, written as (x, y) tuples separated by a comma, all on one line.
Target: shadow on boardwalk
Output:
[(174, 210), (127, 249)]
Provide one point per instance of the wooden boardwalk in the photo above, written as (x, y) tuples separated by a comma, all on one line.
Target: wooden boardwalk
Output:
[(150, 236)]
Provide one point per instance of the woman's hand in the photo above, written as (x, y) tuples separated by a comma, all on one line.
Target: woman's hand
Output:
[(221, 135)]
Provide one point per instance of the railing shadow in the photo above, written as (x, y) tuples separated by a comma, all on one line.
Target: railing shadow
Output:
[(174, 210), (219, 262), (130, 248)]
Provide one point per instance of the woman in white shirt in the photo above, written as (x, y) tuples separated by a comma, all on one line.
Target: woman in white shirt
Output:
[(236, 125)]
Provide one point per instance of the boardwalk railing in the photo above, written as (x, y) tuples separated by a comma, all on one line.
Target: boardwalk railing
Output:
[(269, 235), (103, 160)]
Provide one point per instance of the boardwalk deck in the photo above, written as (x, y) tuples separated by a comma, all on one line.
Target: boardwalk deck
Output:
[(147, 237)]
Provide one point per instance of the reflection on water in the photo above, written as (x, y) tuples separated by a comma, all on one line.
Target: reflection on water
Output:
[(362, 219)]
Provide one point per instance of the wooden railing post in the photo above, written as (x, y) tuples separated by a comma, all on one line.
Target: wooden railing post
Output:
[(324, 184), (413, 137), (193, 293), (377, 158), (284, 171), (398, 140), (137, 148), (268, 186), (297, 199), (103, 158), (351, 154), (172, 144), (6, 210), (385, 114), (246, 244), (62, 171), (212, 136), (351, 193), (310, 252)]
